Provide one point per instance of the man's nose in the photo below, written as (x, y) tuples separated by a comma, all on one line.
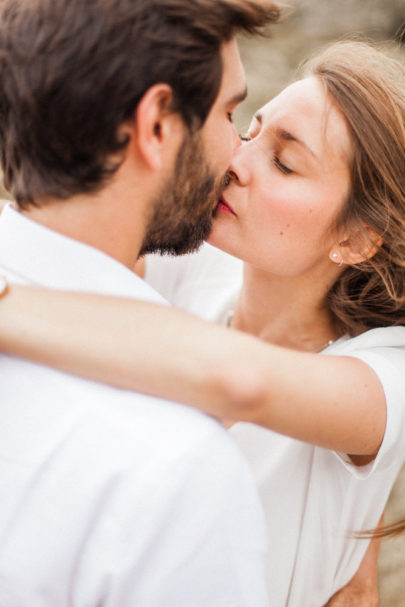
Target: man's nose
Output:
[(239, 167)]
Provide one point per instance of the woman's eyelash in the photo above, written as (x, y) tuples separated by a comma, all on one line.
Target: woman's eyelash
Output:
[(284, 169)]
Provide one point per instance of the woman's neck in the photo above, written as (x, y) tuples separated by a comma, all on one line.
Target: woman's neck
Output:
[(287, 311)]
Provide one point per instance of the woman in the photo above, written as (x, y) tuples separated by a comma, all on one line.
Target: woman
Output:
[(315, 208)]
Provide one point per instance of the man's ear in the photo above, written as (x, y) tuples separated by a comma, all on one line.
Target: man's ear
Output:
[(356, 247), (156, 127)]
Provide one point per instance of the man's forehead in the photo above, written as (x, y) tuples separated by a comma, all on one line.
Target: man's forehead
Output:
[(233, 86), (239, 97)]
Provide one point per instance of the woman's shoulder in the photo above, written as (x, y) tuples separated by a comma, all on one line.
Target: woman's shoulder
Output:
[(383, 350), (382, 337)]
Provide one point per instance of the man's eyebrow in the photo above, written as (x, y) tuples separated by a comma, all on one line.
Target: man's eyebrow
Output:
[(239, 97), (287, 136)]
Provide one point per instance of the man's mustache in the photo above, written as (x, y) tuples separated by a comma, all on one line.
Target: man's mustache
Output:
[(226, 180)]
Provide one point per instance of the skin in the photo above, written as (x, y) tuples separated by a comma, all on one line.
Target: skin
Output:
[(182, 212), (298, 261), (289, 182), (255, 384), (156, 136), (362, 590), (218, 134)]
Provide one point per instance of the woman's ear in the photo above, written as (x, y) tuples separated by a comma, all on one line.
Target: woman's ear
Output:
[(358, 246), (155, 125)]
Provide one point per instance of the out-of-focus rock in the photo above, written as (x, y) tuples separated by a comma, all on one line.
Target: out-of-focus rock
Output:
[(380, 18), (272, 63)]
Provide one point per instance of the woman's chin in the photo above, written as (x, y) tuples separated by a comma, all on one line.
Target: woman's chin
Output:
[(215, 238), (220, 239)]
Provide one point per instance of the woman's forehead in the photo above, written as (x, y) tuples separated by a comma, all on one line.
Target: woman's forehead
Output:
[(305, 109), (304, 97)]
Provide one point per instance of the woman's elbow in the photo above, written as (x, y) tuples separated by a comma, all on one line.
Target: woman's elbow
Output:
[(241, 393)]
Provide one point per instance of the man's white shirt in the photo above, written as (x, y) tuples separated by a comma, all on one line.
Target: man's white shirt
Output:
[(107, 497)]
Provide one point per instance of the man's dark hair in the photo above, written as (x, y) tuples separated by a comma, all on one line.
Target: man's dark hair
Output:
[(73, 71)]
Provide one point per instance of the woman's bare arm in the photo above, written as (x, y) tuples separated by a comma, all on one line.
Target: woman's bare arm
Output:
[(333, 401)]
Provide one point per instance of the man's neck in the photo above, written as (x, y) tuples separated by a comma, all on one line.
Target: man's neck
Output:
[(109, 220)]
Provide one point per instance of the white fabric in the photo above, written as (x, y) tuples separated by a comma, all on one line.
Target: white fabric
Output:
[(110, 498), (314, 499)]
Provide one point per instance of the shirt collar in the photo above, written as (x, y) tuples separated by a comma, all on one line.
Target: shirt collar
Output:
[(41, 256)]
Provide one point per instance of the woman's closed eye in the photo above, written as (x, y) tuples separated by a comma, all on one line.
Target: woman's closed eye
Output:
[(280, 165), (283, 168)]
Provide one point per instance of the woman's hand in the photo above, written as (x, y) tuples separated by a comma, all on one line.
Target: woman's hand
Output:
[(354, 595), (362, 590)]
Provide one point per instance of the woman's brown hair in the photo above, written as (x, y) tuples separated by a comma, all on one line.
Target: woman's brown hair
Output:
[(368, 87)]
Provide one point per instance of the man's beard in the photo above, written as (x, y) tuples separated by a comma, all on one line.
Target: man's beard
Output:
[(182, 214)]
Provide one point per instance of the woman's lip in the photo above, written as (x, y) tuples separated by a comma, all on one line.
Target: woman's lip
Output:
[(225, 207)]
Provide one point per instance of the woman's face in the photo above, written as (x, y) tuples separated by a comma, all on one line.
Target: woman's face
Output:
[(289, 181)]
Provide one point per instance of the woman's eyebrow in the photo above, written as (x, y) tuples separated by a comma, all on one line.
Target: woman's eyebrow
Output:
[(287, 136)]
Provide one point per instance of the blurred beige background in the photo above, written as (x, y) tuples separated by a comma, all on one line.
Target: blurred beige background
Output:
[(270, 65)]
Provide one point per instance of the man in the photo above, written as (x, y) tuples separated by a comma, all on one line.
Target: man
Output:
[(115, 136)]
